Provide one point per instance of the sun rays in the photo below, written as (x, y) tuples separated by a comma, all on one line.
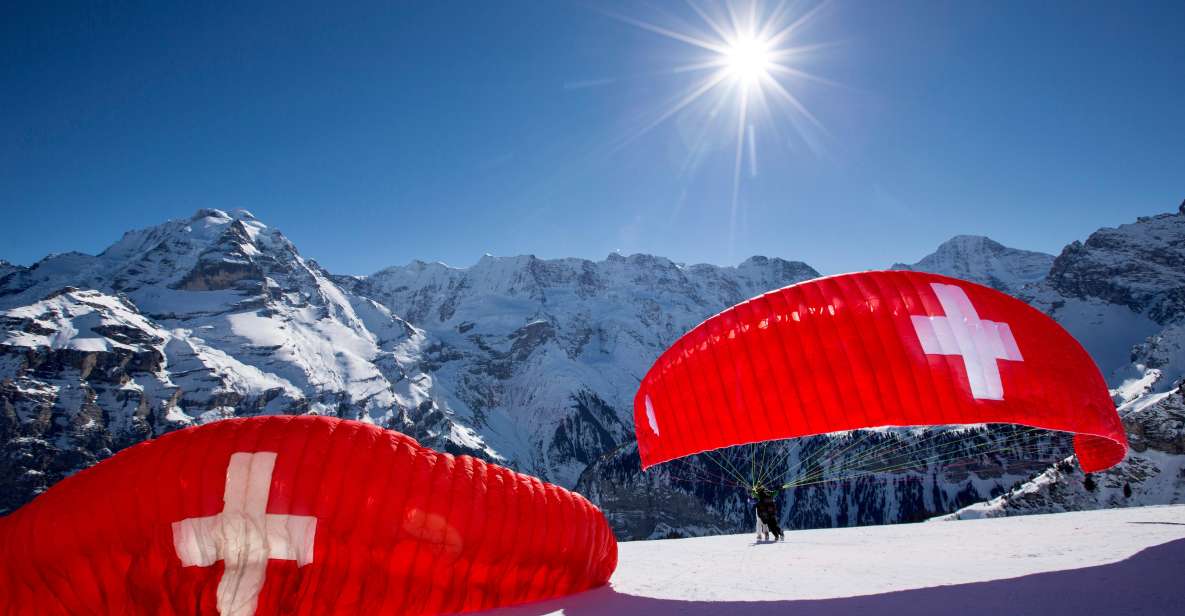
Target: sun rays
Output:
[(745, 61)]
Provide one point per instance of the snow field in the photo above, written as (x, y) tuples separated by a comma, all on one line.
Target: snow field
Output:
[(1097, 562)]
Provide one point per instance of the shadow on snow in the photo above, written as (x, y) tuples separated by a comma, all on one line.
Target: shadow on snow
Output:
[(1148, 582)]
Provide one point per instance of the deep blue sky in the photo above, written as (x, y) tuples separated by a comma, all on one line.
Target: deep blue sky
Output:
[(443, 130)]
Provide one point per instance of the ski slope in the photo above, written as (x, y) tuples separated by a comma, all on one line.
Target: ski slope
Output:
[(1115, 561)]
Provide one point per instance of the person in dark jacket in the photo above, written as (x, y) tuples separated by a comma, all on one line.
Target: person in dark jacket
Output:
[(767, 513)]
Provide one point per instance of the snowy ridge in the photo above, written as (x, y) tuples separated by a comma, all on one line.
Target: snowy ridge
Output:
[(1119, 287), (1140, 265), (980, 259), (80, 320), (543, 356)]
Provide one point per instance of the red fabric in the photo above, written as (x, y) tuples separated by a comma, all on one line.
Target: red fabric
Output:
[(400, 529), (843, 352)]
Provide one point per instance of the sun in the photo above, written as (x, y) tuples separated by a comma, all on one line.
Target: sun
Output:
[(745, 67), (748, 59), (747, 53)]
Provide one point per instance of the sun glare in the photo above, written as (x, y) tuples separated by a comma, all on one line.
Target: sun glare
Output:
[(746, 68), (748, 59)]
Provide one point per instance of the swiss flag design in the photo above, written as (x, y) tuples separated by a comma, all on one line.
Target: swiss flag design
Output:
[(978, 342), (243, 535), (296, 516), (872, 349)]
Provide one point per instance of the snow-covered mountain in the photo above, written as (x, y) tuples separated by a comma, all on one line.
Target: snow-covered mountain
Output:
[(1122, 293), (1152, 474), (529, 362), (542, 357), (980, 259), (187, 322)]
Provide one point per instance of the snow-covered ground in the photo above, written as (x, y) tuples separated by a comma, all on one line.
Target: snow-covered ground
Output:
[(1115, 561)]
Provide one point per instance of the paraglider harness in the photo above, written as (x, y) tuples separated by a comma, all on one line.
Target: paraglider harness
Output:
[(767, 509)]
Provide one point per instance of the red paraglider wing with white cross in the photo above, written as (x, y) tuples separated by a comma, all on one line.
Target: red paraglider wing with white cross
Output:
[(296, 515), (871, 349)]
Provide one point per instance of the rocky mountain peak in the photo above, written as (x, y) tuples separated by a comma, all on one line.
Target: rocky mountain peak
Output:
[(983, 260), (209, 251), (191, 321), (777, 267), (204, 213), (1140, 265), (7, 268)]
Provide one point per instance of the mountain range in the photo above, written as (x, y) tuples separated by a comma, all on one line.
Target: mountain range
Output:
[(528, 362)]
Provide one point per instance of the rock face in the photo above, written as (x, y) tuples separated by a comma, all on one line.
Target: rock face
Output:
[(979, 259), (1140, 266), (80, 373)]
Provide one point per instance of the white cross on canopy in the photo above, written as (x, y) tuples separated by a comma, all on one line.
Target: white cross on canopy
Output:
[(961, 332), (244, 536)]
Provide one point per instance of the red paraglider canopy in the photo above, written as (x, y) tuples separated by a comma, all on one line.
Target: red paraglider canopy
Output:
[(296, 515), (891, 348)]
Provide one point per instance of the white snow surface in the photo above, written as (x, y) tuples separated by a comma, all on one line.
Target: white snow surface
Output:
[(74, 320), (1114, 561)]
